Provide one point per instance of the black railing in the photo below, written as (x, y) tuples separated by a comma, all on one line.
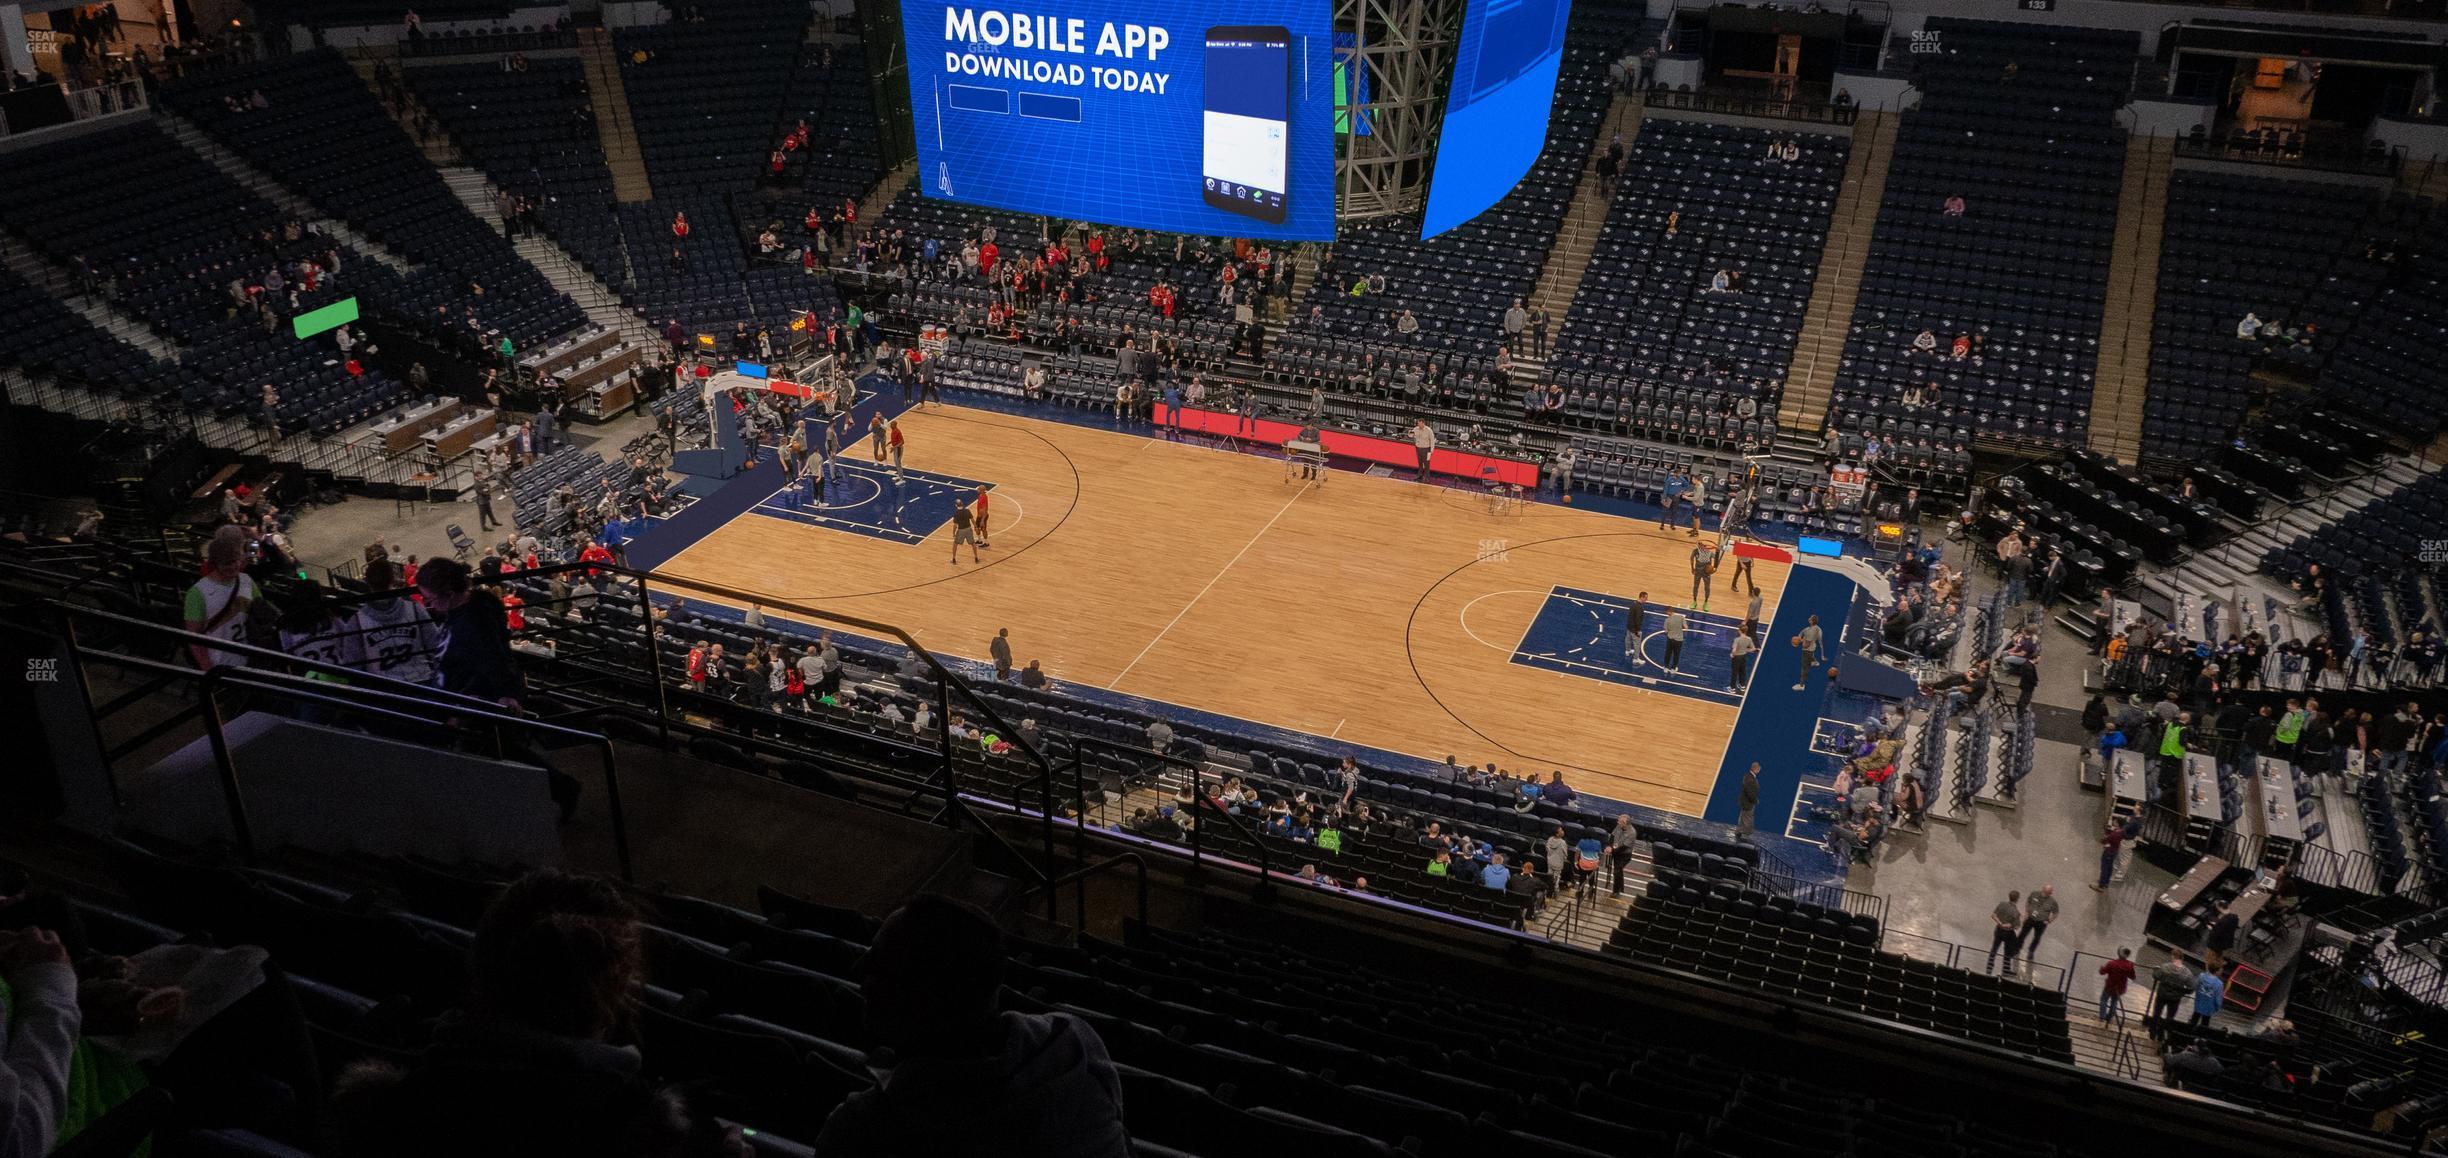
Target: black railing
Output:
[(362, 695), (946, 778), (1743, 105), (2293, 150)]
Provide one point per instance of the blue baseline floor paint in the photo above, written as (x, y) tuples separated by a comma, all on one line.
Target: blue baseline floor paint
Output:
[(1582, 633), (1778, 723), (901, 506)]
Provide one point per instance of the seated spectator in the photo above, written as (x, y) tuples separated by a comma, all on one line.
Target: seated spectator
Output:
[(969, 1078), (2250, 328), (37, 1039), (1955, 205), (530, 1065), (1556, 791), (1496, 875)]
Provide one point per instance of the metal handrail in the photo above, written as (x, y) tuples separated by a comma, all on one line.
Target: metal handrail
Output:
[(368, 698), (945, 679), (1079, 877), (1823, 112), (1198, 793)]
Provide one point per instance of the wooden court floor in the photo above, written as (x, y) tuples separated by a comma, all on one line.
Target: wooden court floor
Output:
[(1376, 611)]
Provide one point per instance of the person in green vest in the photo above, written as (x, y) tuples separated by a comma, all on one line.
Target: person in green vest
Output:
[(509, 354), (1442, 865), (2290, 729), (2172, 746)]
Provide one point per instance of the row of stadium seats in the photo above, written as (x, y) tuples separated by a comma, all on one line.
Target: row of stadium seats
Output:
[(168, 233), (2017, 120), (2234, 244), (1648, 300), (325, 136)]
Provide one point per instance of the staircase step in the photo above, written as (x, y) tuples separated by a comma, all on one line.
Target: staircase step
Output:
[(615, 129), (239, 169)]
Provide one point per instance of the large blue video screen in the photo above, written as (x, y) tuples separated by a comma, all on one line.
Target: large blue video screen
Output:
[(1189, 116), (1496, 113)]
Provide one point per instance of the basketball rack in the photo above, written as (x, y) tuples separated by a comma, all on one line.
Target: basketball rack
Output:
[(1305, 462)]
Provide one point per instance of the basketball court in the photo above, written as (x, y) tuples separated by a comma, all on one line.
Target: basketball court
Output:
[(1418, 619)]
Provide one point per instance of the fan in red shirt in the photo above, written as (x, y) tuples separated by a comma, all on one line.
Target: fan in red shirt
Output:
[(595, 553), (514, 611), (776, 162), (849, 211), (987, 254), (680, 227), (697, 665), (2114, 976)]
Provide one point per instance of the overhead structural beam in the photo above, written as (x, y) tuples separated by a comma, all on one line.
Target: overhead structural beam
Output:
[(1404, 53)]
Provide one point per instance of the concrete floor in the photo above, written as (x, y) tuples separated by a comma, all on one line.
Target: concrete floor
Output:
[(1942, 884), (336, 536)]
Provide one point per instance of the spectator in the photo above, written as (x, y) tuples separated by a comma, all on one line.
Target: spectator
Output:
[(1747, 801), (2111, 840), (2209, 993), (475, 651), (1955, 205), (530, 1065), (1620, 840), (1495, 875), (38, 1037), (2222, 938), (970, 1079), (2170, 989), (2007, 931), (2038, 911), (2192, 1066), (2115, 976), (217, 603), (1557, 792)]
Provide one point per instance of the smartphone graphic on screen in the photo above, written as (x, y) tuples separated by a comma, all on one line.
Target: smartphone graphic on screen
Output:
[(1248, 102)]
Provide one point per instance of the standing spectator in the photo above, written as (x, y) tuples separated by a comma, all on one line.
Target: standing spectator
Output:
[(1747, 801), (1538, 330), (485, 519), (1000, 648), (2209, 994), (1515, 320), (1808, 642), (2111, 840), (1424, 440), (2038, 911), (218, 601), (971, 1079), (2222, 938), (2115, 976), (475, 650), (2007, 931), (1619, 848), (2170, 989), (1556, 852)]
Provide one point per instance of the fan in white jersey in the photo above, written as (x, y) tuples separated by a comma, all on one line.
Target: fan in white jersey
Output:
[(396, 639), (311, 630)]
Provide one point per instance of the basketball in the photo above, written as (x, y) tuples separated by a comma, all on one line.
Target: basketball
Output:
[(1797, 641)]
